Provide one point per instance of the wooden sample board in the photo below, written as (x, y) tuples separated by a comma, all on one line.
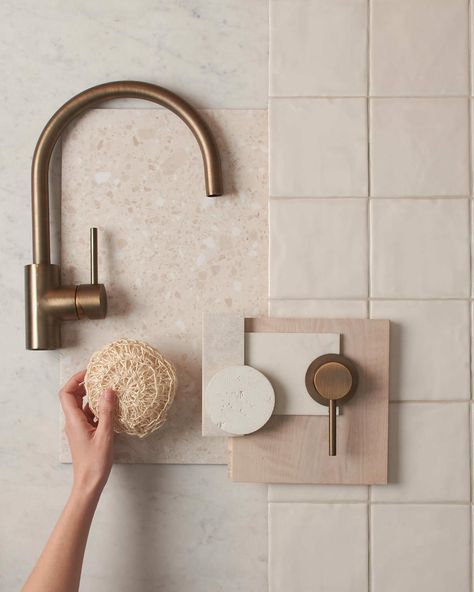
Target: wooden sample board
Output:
[(294, 449)]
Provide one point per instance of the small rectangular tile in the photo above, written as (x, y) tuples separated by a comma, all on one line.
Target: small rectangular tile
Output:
[(223, 344), (308, 544), (331, 309), (284, 358), (429, 344), (287, 492), (420, 548), (419, 147), (419, 47), (318, 248), (318, 48), (420, 248), (318, 147), (428, 454)]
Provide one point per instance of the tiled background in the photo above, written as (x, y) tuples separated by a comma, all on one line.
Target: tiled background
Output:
[(370, 214), (385, 232)]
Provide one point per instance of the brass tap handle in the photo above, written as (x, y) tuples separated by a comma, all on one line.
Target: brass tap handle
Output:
[(91, 299), (331, 380), (94, 256)]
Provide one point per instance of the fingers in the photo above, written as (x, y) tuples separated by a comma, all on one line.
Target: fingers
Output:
[(107, 406), (75, 383), (90, 415)]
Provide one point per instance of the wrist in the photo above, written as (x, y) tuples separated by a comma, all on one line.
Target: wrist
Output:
[(86, 491)]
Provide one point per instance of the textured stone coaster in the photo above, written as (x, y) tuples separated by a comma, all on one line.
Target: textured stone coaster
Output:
[(239, 400), (167, 253)]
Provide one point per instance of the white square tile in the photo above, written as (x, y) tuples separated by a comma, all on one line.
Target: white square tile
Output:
[(287, 492), (318, 248), (419, 147), (308, 544), (419, 47), (331, 309), (318, 48), (420, 548), (428, 453), (318, 147), (429, 347), (420, 248)]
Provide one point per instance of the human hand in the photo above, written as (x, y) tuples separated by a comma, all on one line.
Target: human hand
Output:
[(91, 442)]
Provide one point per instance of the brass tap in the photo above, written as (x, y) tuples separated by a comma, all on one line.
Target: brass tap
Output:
[(48, 303)]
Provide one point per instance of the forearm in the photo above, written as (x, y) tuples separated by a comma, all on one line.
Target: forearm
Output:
[(59, 566)]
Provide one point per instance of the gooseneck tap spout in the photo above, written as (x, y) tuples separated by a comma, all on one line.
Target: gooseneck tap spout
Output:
[(47, 302)]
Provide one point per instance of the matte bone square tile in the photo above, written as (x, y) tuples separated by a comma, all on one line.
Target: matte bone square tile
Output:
[(420, 248), (430, 343), (318, 147), (419, 147), (308, 544), (417, 548), (318, 48), (318, 248), (429, 453), (419, 47)]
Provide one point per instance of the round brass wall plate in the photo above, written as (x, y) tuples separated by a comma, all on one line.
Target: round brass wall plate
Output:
[(337, 364)]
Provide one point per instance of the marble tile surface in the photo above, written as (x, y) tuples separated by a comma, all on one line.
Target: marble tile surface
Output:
[(419, 48), (318, 48), (49, 52), (420, 248), (419, 147), (417, 547), (167, 252), (430, 345)]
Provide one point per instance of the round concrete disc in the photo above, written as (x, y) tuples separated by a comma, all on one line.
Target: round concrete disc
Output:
[(239, 400)]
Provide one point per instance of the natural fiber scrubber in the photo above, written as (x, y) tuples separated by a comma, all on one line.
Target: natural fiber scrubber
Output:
[(144, 381)]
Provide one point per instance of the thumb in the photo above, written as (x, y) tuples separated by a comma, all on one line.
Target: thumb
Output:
[(107, 406)]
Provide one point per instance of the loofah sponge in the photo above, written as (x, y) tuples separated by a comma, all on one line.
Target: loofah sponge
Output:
[(145, 383)]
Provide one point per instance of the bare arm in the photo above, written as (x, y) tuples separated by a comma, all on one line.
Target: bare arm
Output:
[(59, 566)]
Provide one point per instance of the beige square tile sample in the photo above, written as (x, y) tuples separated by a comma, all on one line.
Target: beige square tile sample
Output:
[(430, 344), (318, 147), (313, 544), (325, 309), (419, 47), (327, 38), (429, 454), (167, 252), (420, 248), (318, 248), (284, 358), (417, 547), (419, 147)]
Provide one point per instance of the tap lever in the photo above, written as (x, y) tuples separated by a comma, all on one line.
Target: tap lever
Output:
[(94, 256)]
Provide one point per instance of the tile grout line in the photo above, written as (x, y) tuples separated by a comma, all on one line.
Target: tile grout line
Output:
[(369, 268), (470, 210)]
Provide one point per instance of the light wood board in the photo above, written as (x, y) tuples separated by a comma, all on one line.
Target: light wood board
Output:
[(294, 449)]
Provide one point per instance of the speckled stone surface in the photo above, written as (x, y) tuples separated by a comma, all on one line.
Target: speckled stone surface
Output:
[(167, 252)]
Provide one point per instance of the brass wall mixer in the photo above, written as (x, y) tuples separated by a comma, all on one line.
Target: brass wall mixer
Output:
[(48, 303)]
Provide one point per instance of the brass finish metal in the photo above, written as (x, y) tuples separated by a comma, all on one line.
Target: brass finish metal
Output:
[(331, 380), (47, 302)]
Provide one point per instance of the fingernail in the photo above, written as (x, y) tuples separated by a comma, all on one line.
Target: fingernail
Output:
[(109, 395)]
